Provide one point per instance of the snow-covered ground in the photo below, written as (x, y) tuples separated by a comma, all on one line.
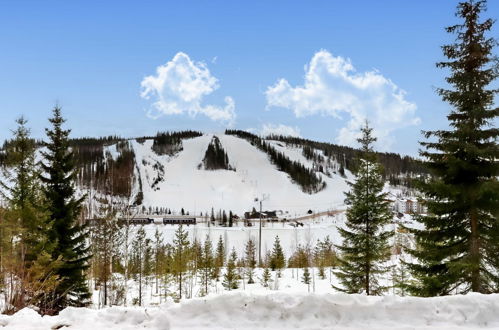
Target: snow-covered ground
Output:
[(277, 310), (236, 237)]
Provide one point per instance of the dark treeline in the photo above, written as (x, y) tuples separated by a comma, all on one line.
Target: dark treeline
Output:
[(397, 168), (169, 143), (215, 157), (91, 141), (306, 178)]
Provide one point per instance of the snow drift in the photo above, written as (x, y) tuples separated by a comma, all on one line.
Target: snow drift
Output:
[(280, 311)]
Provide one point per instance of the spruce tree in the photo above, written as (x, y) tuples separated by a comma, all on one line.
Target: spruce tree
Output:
[(219, 258), (105, 241), (180, 257), (66, 235), (277, 260), (158, 251), (365, 246), (458, 249), (141, 251), (306, 279), (266, 277), (207, 264), (320, 259), (250, 260), (231, 277)]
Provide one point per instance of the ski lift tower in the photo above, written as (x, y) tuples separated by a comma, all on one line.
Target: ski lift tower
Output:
[(263, 198)]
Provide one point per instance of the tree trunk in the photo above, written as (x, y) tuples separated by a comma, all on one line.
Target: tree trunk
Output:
[(475, 253)]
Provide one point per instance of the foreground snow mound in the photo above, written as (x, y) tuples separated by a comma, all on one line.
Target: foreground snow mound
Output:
[(281, 311)]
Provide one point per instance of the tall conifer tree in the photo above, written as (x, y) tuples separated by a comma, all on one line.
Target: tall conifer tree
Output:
[(277, 260), (68, 237), (250, 260), (24, 249), (180, 257), (230, 281), (23, 192), (207, 264), (458, 249), (365, 246)]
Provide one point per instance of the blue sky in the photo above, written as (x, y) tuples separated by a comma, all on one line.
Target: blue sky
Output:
[(362, 58)]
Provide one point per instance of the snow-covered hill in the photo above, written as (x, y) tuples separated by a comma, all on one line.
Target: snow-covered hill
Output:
[(178, 182)]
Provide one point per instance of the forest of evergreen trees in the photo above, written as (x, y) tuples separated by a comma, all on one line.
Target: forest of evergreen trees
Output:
[(398, 169), (215, 157), (169, 143)]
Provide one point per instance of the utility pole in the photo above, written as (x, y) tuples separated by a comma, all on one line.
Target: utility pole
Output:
[(260, 229)]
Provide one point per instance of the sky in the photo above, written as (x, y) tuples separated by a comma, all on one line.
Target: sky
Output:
[(315, 69)]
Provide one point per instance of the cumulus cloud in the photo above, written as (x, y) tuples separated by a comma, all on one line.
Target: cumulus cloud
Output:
[(179, 87), (269, 129), (333, 87)]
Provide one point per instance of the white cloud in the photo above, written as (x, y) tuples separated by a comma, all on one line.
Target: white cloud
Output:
[(268, 129), (333, 87), (179, 87)]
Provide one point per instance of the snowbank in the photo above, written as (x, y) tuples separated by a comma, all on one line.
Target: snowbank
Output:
[(281, 311)]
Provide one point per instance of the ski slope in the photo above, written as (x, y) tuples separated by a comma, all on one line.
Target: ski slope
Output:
[(186, 186)]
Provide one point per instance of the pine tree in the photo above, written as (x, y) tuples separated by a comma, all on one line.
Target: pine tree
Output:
[(158, 251), (105, 240), (231, 277), (207, 265), (458, 249), (365, 242), (141, 251), (319, 259), (400, 278), (266, 277), (277, 261), (67, 237), (167, 266), (306, 277), (180, 257), (328, 252), (250, 260), (219, 258)]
